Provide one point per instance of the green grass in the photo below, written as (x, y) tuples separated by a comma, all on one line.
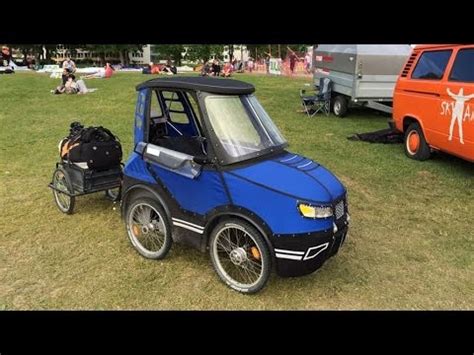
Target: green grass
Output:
[(410, 246)]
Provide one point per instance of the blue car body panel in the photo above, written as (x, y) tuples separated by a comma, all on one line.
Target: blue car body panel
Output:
[(271, 189), (300, 177), (278, 210), (136, 168), (199, 195), (140, 114)]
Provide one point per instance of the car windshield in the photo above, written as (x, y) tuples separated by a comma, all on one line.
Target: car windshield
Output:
[(242, 127)]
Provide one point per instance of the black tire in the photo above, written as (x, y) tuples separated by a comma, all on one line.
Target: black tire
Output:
[(62, 181), (423, 150), (113, 194), (339, 106), (155, 228), (250, 251)]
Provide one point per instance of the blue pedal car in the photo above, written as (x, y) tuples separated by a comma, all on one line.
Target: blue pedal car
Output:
[(210, 169)]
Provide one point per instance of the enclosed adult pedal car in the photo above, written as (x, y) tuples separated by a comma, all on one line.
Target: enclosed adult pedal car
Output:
[(209, 168)]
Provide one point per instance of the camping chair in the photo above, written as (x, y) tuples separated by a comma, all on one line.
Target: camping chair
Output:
[(319, 102)]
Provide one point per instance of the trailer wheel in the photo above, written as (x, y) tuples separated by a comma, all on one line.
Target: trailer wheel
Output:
[(339, 107), (415, 143), (62, 182), (113, 194), (240, 256)]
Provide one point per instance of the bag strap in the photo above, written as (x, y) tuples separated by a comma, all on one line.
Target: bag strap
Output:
[(107, 131), (87, 133)]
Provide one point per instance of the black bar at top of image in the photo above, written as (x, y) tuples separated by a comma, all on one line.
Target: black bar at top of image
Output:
[(344, 23)]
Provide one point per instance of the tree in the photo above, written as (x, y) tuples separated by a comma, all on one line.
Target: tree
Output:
[(203, 52), (231, 52), (172, 52), (260, 50), (35, 50), (121, 50), (257, 51)]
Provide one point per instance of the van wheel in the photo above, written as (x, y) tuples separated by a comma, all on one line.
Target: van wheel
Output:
[(415, 143), (339, 107), (240, 256), (148, 228)]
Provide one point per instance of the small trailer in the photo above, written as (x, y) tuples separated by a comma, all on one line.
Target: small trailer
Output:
[(362, 75)]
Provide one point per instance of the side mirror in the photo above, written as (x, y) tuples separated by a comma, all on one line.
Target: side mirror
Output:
[(201, 160)]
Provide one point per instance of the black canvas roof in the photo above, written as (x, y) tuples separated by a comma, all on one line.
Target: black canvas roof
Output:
[(199, 83)]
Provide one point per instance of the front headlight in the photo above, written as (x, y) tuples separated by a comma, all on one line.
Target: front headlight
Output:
[(309, 211)]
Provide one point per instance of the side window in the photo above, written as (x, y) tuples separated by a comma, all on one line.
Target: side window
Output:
[(195, 107), (175, 107), (157, 123), (155, 108), (463, 67), (431, 65)]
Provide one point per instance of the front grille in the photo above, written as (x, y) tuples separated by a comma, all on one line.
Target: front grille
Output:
[(339, 210)]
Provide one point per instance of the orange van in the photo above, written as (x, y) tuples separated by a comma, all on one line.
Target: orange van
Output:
[(433, 101)]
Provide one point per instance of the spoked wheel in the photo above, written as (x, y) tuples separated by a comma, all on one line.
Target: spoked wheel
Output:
[(62, 182), (113, 194), (240, 256), (148, 228)]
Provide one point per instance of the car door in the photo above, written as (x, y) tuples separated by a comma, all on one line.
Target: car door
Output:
[(457, 104), (197, 189), (425, 89)]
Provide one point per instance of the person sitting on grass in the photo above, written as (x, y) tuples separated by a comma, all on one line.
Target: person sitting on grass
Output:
[(73, 87), (147, 69), (216, 68), (155, 69), (105, 72), (69, 67), (5, 57), (169, 69), (228, 69), (206, 69)]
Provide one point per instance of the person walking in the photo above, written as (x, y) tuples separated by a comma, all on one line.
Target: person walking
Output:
[(293, 59), (250, 65)]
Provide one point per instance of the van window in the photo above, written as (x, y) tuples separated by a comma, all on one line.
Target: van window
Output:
[(463, 67), (431, 65)]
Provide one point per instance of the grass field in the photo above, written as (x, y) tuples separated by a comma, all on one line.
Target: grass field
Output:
[(410, 246)]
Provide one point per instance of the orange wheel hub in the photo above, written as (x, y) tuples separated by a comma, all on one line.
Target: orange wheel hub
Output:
[(255, 253), (136, 230), (413, 142)]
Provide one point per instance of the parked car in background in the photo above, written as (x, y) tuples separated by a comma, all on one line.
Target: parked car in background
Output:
[(434, 101)]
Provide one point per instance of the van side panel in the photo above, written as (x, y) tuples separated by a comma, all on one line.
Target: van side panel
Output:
[(456, 114), (418, 99)]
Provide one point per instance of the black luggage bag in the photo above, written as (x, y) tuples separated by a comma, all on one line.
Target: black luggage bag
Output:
[(96, 146)]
